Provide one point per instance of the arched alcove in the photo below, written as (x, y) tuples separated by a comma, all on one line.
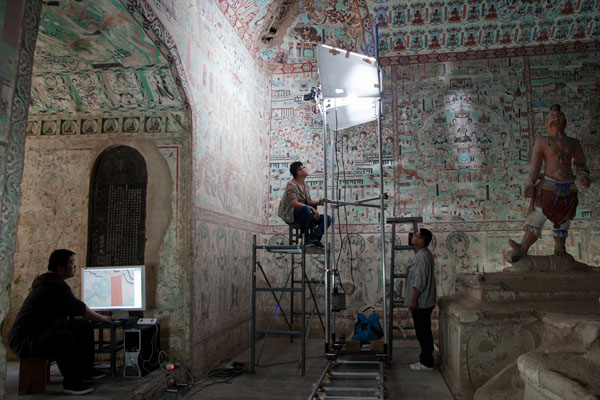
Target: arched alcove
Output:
[(117, 211)]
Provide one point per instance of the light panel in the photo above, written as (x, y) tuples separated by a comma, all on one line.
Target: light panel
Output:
[(347, 74), (345, 113)]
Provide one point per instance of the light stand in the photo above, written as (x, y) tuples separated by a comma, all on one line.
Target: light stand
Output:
[(351, 94)]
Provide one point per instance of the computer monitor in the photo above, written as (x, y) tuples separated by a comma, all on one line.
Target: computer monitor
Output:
[(114, 288)]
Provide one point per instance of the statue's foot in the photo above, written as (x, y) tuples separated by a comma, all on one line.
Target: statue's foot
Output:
[(516, 252)]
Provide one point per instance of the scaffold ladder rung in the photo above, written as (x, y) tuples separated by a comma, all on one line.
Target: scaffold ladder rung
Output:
[(350, 398), (275, 332), (350, 389), (357, 362), (332, 382), (354, 374), (278, 289)]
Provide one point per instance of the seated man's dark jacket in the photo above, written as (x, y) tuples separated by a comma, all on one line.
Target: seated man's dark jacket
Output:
[(47, 308)]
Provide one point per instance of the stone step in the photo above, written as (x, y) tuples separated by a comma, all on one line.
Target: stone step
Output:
[(531, 286)]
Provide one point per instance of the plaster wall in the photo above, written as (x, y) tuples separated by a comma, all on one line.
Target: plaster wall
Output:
[(229, 172), (54, 214)]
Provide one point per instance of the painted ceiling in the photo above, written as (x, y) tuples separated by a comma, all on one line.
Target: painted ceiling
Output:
[(92, 57), (418, 27)]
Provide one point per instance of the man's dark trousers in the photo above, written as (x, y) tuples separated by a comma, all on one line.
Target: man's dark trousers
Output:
[(304, 216), (73, 349), (422, 322)]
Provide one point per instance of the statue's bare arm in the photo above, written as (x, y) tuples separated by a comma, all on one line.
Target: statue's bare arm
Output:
[(537, 157), (581, 172)]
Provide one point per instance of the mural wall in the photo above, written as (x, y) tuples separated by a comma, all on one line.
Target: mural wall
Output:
[(17, 42), (54, 214), (76, 111), (417, 27), (462, 109), (229, 99), (441, 26), (457, 139)]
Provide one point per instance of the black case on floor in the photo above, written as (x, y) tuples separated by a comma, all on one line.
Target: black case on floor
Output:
[(141, 345)]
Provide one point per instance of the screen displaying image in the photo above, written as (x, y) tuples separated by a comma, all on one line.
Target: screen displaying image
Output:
[(114, 288)]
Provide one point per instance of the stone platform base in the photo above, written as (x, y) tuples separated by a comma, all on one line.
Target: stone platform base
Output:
[(495, 318)]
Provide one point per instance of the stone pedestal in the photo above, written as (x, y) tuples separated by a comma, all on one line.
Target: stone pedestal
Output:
[(494, 318)]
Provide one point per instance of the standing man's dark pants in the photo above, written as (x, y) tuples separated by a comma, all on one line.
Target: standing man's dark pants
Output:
[(422, 322), (73, 349)]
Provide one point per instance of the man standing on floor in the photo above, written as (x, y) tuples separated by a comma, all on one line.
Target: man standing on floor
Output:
[(45, 328), (296, 206), (420, 297)]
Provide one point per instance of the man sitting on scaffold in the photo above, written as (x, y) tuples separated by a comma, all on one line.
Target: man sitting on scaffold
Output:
[(297, 207)]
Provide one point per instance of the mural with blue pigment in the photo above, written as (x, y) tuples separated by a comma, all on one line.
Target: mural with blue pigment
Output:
[(457, 139)]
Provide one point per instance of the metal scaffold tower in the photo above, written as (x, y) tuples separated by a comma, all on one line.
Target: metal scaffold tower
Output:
[(398, 301), (350, 94), (297, 251)]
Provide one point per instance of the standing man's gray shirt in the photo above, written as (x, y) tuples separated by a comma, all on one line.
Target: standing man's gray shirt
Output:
[(422, 277)]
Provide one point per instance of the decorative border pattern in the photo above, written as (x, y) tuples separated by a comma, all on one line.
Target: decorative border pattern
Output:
[(212, 217), (9, 209), (549, 49), (474, 226), (573, 47), (163, 124)]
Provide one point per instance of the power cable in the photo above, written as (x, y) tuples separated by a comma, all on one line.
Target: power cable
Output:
[(345, 213)]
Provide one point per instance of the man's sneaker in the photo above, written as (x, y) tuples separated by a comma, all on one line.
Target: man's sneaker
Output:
[(312, 249), (317, 243), (420, 367), (94, 374), (77, 389)]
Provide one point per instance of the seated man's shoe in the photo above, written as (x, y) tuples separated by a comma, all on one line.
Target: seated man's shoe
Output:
[(420, 367), (77, 389), (94, 374), (318, 244), (315, 247), (314, 250)]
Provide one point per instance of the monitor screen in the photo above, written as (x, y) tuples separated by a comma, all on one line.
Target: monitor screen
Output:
[(114, 288)]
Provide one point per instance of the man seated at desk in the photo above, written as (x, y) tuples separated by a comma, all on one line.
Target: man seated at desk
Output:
[(45, 325)]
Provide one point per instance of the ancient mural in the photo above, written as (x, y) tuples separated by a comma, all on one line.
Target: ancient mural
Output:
[(17, 43), (229, 147), (54, 213), (229, 96), (77, 108), (450, 115), (96, 59), (418, 27), (343, 24), (76, 36), (457, 25), (457, 137)]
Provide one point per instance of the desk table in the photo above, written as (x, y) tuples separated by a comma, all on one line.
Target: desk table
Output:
[(114, 343)]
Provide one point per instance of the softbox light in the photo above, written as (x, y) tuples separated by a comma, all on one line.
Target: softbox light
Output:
[(347, 74), (345, 113)]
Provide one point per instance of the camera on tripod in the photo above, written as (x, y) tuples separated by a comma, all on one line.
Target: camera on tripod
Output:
[(314, 92)]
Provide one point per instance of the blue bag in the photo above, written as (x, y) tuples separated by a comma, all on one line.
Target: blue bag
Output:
[(367, 328)]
